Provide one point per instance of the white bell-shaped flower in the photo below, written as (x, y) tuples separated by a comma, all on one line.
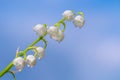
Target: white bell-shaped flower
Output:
[(31, 60), (52, 30), (59, 36), (68, 15), (40, 29), (79, 21), (41, 52), (55, 33), (19, 63)]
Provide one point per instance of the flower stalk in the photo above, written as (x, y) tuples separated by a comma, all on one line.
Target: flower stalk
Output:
[(42, 30), (4, 71)]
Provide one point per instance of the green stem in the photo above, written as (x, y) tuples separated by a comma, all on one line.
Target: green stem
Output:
[(4, 71), (45, 43), (61, 22)]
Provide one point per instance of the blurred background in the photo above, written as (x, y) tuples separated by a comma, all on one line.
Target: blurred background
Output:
[(90, 53)]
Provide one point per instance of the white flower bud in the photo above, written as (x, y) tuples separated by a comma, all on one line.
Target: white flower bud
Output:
[(40, 29), (41, 52), (68, 15), (19, 63), (31, 60), (79, 21)]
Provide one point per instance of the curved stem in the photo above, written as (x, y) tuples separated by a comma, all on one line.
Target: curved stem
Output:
[(63, 25), (45, 43), (12, 74), (4, 71), (36, 41), (59, 22)]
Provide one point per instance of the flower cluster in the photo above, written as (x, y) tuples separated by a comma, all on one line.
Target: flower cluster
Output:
[(30, 60), (78, 20), (54, 32)]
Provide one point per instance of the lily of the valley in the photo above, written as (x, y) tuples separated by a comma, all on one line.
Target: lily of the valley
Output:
[(68, 15), (41, 52), (79, 21), (52, 30), (40, 29), (31, 60), (55, 33), (59, 36), (19, 63)]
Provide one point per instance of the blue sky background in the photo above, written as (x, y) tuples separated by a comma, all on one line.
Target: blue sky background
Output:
[(90, 53)]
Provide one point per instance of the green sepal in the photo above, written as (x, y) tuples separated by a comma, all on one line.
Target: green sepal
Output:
[(45, 25), (21, 53), (57, 25), (81, 13)]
